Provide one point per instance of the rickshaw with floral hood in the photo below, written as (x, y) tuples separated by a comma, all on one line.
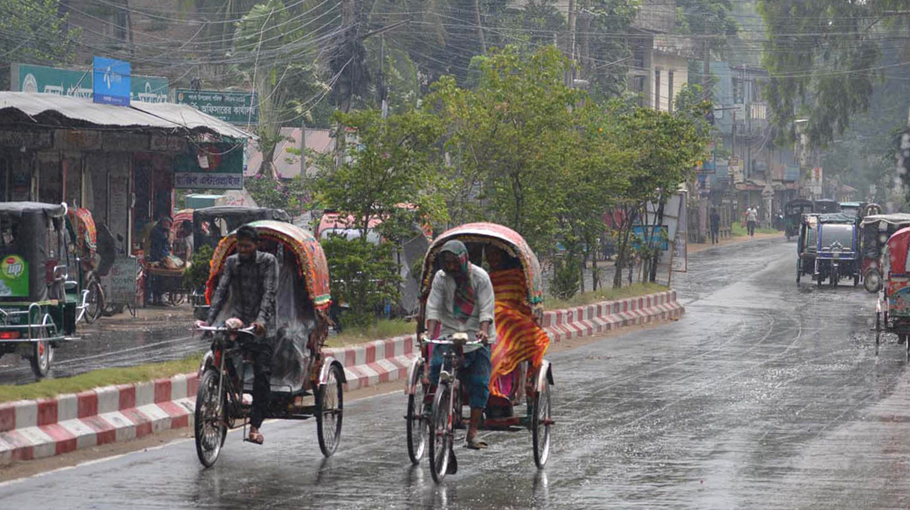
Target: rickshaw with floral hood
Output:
[(892, 311), (305, 381), (520, 376), (84, 263)]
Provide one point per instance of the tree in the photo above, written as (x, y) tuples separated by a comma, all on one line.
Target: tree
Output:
[(33, 31), (711, 22), (666, 148), (509, 135), (822, 56), (390, 162)]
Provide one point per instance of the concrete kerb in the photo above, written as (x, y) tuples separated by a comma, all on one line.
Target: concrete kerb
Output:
[(32, 429)]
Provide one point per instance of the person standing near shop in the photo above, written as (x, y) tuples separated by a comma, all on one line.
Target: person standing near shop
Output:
[(159, 250), (715, 225)]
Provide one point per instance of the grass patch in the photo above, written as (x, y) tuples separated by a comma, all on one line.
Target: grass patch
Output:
[(606, 294), (48, 388), (738, 230), (382, 329)]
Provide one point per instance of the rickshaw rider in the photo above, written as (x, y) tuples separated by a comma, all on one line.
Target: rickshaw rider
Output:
[(251, 277), (461, 300)]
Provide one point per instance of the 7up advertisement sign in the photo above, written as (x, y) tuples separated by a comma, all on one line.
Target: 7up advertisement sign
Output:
[(13, 277)]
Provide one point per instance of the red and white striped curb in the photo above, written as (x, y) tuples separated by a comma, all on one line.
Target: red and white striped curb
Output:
[(33, 429)]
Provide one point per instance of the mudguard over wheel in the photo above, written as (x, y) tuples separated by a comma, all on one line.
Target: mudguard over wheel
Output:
[(330, 411)]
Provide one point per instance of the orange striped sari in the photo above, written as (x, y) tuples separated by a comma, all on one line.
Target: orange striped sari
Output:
[(518, 337)]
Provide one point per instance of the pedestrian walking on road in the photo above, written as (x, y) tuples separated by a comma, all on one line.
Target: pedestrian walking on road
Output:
[(715, 226), (751, 220)]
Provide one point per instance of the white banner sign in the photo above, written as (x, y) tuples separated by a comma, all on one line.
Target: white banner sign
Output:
[(206, 180)]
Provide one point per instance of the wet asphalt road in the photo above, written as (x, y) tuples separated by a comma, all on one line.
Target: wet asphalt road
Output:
[(764, 395)]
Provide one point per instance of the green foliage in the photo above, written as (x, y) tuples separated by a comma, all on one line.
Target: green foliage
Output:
[(198, 272), (388, 163), (288, 194), (364, 275), (33, 31), (566, 278), (822, 56)]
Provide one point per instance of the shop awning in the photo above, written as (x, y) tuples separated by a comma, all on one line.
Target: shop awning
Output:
[(52, 110)]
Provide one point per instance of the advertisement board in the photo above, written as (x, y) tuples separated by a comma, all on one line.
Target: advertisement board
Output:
[(209, 166), (234, 107), (13, 277), (111, 81), (119, 286), (79, 83)]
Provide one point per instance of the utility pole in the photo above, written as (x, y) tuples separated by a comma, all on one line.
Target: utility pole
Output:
[(570, 76), (706, 75), (480, 34)]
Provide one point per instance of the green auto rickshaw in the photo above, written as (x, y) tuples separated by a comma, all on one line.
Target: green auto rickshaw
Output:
[(38, 299)]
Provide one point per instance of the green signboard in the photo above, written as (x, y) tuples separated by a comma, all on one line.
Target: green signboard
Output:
[(13, 277), (234, 107), (69, 82), (210, 166)]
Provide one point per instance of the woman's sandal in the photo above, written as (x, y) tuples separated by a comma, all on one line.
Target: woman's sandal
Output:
[(255, 438), (475, 444)]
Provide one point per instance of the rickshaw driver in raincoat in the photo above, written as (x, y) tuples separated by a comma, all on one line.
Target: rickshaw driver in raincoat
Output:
[(461, 301), (251, 278)]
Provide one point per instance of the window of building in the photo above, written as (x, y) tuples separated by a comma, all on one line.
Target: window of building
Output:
[(657, 89), (669, 91)]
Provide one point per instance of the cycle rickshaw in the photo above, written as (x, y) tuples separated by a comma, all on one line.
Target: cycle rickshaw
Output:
[(875, 230), (38, 300), (793, 215), (85, 263), (892, 312), (527, 406), (305, 381)]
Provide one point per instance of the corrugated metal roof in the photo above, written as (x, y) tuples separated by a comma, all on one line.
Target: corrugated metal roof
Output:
[(78, 109), (191, 118), (139, 115)]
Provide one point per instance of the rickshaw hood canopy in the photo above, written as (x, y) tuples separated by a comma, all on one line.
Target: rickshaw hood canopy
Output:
[(311, 262), (506, 238), (897, 251)]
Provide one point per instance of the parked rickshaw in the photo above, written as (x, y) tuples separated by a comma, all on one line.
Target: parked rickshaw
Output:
[(434, 431), (837, 253), (826, 206), (305, 381), (84, 263), (37, 297), (793, 215), (875, 231), (855, 208), (806, 245), (211, 224), (892, 312)]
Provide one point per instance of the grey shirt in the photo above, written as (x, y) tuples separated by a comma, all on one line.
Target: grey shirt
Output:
[(251, 286), (441, 303)]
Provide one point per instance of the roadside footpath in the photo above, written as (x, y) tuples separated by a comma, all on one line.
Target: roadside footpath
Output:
[(697, 247), (118, 414)]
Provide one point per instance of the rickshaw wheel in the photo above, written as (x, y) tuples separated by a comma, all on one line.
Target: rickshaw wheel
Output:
[(209, 424), (42, 356), (540, 425), (416, 426), (176, 298), (95, 305), (872, 281), (441, 433), (329, 412)]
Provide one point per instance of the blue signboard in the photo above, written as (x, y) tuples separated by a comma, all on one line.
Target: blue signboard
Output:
[(111, 82)]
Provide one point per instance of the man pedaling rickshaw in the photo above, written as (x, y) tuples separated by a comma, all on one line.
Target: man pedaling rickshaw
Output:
[(250, 280), (461, 301)]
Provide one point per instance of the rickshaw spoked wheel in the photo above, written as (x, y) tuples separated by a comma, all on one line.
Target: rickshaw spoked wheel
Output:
[(329, 412), (42, 355), (441, 433), (416, 422), (872, 281), (175, 298), (540, 425), (209, 424), (95, 302)]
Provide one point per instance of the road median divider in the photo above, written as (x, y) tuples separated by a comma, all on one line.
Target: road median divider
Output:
[(31, 429)]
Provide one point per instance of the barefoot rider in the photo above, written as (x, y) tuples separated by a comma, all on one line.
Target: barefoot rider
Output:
[(461, 301), (250, 280)]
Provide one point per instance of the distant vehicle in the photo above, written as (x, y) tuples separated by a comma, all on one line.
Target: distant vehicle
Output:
[(837, 253), (855, 208), (807, 242), (826, 206), (211, 224), (793, 215)]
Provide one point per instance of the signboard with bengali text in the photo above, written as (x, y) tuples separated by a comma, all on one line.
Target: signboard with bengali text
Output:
[(79, 83), (119, 286), (235, 107)]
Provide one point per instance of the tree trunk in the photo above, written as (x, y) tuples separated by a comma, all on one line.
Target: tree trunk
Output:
[(483, 40), (656, 257)]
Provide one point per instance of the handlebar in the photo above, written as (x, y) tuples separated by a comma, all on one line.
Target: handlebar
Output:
[(454, 339), (217, 329)]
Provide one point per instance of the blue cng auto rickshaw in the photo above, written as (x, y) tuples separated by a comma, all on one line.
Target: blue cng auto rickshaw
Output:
[(38, 299), (793, 215), (837, 253)]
